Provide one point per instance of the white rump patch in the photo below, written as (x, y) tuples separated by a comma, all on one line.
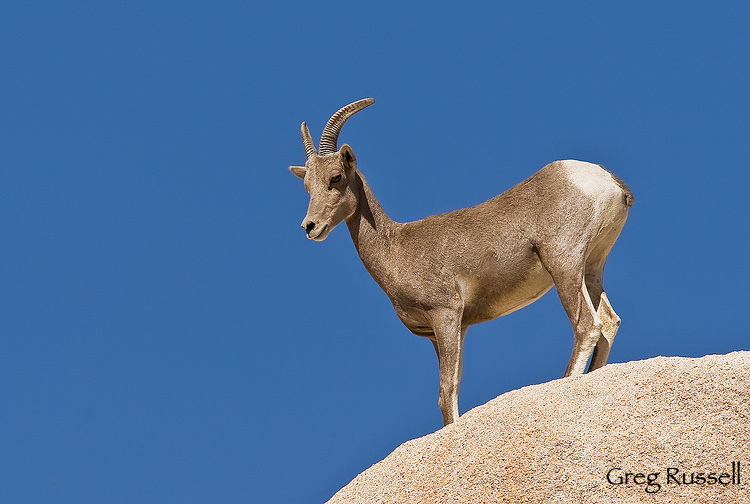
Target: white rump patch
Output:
[(592, 179)]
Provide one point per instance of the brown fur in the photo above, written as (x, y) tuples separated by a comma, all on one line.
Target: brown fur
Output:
[(449, 271)]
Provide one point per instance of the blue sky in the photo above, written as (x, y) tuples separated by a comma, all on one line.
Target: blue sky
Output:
[(167, 333)]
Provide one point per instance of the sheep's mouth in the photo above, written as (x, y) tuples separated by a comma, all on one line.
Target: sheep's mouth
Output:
[(320, 235)]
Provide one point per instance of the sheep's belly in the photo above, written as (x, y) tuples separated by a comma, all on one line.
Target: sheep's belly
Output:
[(493, 299)]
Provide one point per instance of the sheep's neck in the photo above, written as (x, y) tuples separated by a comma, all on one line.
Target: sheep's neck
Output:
[(372, 232)]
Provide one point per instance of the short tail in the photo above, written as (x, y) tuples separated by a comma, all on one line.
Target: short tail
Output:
[(627, 194), (629, 199)]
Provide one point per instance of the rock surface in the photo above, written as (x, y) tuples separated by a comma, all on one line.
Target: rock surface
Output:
[(557, 442)]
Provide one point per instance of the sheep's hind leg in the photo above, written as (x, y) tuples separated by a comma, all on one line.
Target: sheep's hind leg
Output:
[(610, 324), (586, 325), (574, 296), (610, 320)]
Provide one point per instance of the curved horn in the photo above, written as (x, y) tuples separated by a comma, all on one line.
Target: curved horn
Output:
[(308, 141), (330, 137)]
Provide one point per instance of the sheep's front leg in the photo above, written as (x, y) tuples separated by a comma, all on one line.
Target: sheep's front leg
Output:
[(449, 338)]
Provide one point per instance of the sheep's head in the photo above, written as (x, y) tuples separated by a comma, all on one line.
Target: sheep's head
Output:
[(328, 175)]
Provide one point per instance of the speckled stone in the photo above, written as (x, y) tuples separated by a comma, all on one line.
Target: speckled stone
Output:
[(573, 440)]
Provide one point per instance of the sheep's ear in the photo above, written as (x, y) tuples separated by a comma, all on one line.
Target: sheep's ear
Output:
[(299, 171), (347, 155)]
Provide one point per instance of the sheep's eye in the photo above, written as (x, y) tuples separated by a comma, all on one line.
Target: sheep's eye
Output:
[(336, 179)]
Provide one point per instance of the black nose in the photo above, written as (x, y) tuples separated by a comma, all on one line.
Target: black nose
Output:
[(309, 227)]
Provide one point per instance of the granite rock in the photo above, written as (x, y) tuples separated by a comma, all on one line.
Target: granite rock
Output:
[(664, 430)]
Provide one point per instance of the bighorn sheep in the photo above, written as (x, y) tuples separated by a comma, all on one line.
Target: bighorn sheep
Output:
[(449, 271)]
